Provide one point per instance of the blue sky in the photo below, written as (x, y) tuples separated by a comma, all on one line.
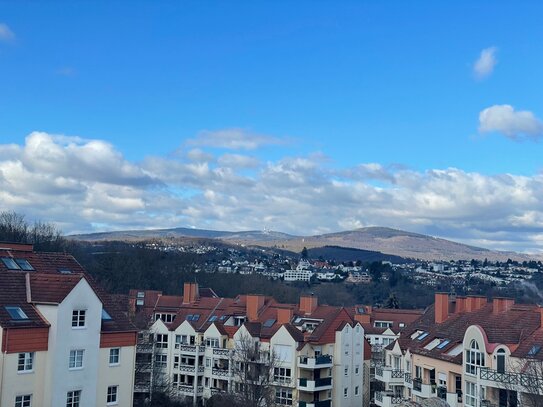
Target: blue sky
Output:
[(323, 88)]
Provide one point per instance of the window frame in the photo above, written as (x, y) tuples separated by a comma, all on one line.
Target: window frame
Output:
[(111, 354), (76, 358), (23, 400), (26, 357), (75, 396), (79, 318), (112, 392)]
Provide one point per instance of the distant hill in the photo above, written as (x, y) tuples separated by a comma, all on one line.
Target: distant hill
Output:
[(342, 254), (387, 241)]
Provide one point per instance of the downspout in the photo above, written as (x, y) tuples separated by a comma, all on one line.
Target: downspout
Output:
[(4, 345)]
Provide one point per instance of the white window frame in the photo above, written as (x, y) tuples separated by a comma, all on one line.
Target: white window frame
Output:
[(161, 361), (73, 398), (356, 391), (113, 356), (471, 394), (345, 392), (474, 358), (112, 397), (24, 400), (75, 361), (79, 317), (282, 374), (283, 396), (25, 362), (161, 341)]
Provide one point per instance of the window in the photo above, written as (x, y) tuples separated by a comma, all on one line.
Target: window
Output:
[(23, 401), (73, 398), (141, 294), (78, 318), (471, 394), (282, 374), (283, 396), (10, 263), (382, 324), (356, 391), (176, 361), (161, 341), (112, 394), (167, 318), (26, 362), (24, 264), (114, 356), (161, 361), (357, 370), (139, 302), (269, 323), (76, 359), (422, 336), (212, 342), (105, 315), (345, 392), (16, 313), (208, 362), (474, 358), (346, 371), (443, 344)]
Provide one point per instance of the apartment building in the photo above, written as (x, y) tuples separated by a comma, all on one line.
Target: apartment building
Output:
[(470, 352), (64, 341), (194, 344)]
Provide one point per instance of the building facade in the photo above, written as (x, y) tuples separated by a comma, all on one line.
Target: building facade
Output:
[(196, 344), (470, 352), (64, 341)]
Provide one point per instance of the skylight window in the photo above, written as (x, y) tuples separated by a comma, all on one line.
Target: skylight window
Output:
[(269, 323), (24, 264), (443, 344), (189, 317), (196, 317), (16, 313), (422, 336), (65, 271), (212, 318), (105, 315), (10, 263), (223, 317), (534, 350)]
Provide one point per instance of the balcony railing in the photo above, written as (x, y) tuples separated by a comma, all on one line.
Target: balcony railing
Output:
[(315, 403), (221, 352), (314, 385), (417, 384), (317, 362), (386, 399), (407, 378), (528, 383), (220, 372)]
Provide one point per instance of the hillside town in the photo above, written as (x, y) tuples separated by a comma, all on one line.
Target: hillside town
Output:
[(65, 340)]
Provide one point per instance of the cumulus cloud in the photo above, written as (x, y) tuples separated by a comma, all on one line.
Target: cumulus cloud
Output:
[(512, 123), (6, 35), (233, 139), (87, 185), (484, 66)]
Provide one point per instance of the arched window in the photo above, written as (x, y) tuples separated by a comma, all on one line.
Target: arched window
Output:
[(474, 358), (500, 360)]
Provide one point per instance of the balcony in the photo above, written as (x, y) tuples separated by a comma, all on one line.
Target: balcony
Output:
[(187, 368), (315, 385), (220, 372), (454, 399), (222, 352), (315, 403), (385, 399), (407, 380), (511, 381), (424, 390), (319, 362), (144, 347), (191, 349), (389, 375)]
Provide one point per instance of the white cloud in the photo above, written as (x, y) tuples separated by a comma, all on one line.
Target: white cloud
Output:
[(233, 139), (510, 122), (6, 35), (484, 66), (87, 185)]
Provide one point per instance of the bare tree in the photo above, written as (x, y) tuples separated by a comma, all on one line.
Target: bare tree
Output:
[(529, 381), (253, 374), (44, 236)]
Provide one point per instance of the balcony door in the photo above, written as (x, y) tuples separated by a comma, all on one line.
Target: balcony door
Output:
[(500, 361)]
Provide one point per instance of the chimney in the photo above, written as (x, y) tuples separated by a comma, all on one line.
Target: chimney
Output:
[(474, 302), (502, 304), (253, 305), (284, 315), (190, 293), (460, 305), (308, 304), (441, 307)]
